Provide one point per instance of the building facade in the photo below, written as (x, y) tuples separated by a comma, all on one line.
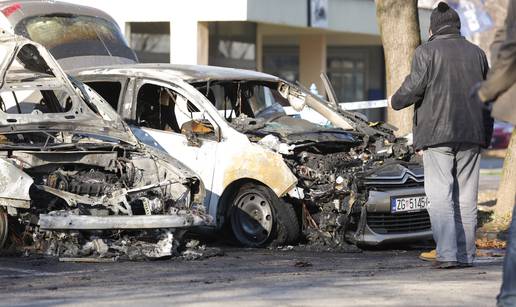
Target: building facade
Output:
[(293, 39)]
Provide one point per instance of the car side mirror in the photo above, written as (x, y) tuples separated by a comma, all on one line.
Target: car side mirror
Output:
[(191, 138), (193, 129)]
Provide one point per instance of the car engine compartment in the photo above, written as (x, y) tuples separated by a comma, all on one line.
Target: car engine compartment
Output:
[(85, 186), (331, 166)]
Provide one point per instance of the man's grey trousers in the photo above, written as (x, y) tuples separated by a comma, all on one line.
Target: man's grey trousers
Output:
[(451, 184)]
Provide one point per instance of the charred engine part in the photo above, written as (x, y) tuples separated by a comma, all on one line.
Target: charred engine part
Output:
[(324, 176), (93, 181), (89, 182), (103, 182)]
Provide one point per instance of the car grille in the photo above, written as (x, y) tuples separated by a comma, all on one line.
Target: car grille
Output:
[(388, 223), (385, 184)]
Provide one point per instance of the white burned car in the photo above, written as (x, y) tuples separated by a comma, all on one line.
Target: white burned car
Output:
[(69, 163), (270, 176)]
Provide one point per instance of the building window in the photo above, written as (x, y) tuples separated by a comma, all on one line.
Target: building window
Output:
[(151, 41), (282, 61), (232, 44), (347, 71), (358, 73)]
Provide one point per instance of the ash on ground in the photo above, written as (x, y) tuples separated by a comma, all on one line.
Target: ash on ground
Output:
[(119, 246)]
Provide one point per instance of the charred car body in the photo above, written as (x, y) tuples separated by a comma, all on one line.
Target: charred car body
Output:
[(69, 163), (354, 180)]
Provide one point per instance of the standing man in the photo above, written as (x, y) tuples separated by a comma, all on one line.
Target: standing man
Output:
[(500, 88), (449, 131)]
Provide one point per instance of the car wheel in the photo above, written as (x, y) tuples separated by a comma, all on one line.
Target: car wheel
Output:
[(259, 218), (4, 227)]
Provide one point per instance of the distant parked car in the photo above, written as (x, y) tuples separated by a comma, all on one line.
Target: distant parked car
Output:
[(76, 36), (501, 135)]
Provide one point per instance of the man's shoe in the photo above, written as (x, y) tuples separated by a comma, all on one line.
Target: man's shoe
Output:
[(428, 256), (445, 265)]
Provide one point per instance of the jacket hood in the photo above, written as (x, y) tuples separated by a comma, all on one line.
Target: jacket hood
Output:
[(446, 32)]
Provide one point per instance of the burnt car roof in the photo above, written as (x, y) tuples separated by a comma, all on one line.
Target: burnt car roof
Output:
[(188, 73), (30, 8)]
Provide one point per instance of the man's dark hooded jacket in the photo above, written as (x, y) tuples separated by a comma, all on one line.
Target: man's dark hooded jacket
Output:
[(443, 72)]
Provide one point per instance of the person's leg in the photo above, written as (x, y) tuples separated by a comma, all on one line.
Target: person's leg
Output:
[(467, 173), (507, 296), (438, 164)]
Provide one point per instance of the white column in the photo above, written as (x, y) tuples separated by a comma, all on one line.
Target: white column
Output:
[(188, 42), (259, 48), (203, 43), (312, 59)]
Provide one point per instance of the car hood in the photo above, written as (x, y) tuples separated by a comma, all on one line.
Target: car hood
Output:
[(293, 130), (25, 64), (349, 120)]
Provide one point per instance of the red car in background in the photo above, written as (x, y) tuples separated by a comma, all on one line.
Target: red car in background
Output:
[(502, 132)]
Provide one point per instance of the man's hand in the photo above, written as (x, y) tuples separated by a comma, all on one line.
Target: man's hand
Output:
[(487, 107), (476, 95)]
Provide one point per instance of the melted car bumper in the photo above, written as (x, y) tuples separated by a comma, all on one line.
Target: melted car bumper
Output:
[(381, 226)]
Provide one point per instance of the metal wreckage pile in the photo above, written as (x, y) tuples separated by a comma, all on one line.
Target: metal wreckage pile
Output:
[(336, 169), (102, 200), (74, 181)]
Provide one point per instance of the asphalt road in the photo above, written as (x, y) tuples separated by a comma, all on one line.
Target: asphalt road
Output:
[(490, 172), (257, 277), (251, 277)]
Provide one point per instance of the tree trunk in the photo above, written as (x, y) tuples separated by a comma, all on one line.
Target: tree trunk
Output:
[(506, 195), (399, 27)]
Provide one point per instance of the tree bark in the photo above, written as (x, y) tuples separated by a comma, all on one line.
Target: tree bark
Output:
[(399, 28), (506, 195)]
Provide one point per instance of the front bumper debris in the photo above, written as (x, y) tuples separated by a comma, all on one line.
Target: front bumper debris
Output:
[(382, 227), (88, 222)]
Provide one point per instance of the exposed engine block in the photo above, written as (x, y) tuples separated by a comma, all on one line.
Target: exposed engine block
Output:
[(88, 182)]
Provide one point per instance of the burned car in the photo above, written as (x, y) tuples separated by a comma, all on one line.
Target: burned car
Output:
[(268, 175), (70, 165)]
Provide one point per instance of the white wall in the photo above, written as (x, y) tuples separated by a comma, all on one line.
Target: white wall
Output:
[(352, 16)]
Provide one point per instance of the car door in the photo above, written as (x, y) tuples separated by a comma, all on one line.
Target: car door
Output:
[(166, 117)]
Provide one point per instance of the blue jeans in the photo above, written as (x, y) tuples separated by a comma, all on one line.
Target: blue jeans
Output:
[(451, 184), (507, 296)]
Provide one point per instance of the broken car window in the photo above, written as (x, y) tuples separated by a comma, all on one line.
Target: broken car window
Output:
[(235, 98), (161, 108), (110, 91), (34, 101), (30, 86)]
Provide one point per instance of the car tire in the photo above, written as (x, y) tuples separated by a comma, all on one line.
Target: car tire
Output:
[(4, 227), (259, 218)]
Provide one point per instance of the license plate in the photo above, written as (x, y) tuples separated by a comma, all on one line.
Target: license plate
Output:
[(409, 203)]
